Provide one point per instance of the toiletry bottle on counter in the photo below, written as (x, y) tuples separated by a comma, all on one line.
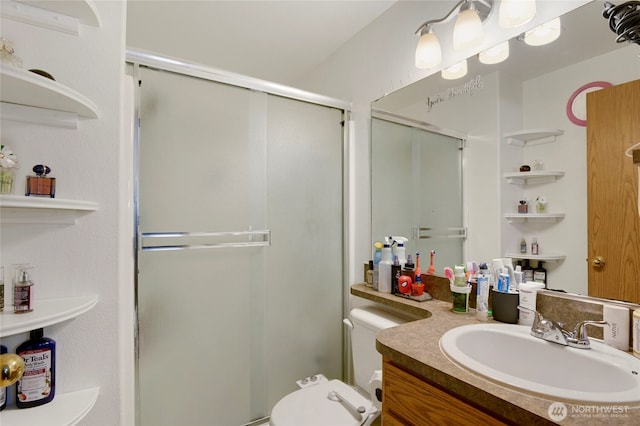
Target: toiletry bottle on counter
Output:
[(37, 384), (399, 249), (396, 270), (368, 276), (377, 258), (384, 270), (482, 301), (527, 271), (540, 274)]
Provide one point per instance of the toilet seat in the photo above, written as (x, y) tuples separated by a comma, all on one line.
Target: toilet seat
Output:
[(311, 406)]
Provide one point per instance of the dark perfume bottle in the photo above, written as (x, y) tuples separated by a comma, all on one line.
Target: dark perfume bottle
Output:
[(41, 185)]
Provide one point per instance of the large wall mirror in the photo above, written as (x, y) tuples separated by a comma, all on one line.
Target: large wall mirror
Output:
[(487, 110)]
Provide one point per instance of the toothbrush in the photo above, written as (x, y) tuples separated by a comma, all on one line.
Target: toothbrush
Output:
[(448, 272), (432, 267)]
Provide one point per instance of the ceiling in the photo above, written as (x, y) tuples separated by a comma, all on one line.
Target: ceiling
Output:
[(278, 41)]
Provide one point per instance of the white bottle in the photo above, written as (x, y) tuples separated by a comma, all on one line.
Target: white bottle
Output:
[(384, 270), (400, 250)]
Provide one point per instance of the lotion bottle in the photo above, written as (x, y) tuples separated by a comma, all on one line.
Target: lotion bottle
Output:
[(38, 383)]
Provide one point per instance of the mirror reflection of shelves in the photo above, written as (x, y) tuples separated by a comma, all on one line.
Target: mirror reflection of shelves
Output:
[(538, 176), (546, 257), (532, 136), (534, 217)]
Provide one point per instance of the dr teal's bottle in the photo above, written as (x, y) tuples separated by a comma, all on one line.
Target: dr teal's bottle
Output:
[(38, 383)]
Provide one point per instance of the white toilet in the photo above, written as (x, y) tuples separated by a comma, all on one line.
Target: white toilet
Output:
[(332, 402)]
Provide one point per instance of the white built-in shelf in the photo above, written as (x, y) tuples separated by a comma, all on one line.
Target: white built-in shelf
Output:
[(64, 16), (532, 136), (22, 209), (533, 217), (26, 88), (66, 409), (45, 312), (535, 176), (545, 257)]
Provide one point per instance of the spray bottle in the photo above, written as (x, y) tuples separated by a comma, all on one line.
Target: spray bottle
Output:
[(384, 269), (398, 245)]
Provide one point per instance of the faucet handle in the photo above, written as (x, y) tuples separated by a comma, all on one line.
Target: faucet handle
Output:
[(538, 327), (580, 337)]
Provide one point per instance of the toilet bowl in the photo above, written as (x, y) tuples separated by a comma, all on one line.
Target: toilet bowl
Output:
[(333, 402)]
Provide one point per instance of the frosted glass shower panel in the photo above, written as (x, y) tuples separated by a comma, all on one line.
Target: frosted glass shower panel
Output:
[(241, 263)]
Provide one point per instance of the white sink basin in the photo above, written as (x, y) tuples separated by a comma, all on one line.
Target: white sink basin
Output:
[(509, 355)]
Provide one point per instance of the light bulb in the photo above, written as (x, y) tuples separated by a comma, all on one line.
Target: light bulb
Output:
[(455, 71), (543, 34), (428, 52), (467, 33), (495, 55), (514, 13)]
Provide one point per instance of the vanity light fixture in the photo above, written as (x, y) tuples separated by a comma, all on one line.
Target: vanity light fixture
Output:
[(455, 71), (543, 34), (515, 13), (495, 54), (467, 32)]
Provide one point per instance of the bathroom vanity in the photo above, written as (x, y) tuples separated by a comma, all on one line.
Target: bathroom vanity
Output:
[(422, 386)]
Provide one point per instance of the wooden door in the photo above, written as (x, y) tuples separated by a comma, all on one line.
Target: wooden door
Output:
[(613, 126)]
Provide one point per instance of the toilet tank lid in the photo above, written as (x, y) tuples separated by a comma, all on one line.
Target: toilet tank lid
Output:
[(376, 318)]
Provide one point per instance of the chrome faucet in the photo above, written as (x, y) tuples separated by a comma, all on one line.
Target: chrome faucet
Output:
[(552, 331)]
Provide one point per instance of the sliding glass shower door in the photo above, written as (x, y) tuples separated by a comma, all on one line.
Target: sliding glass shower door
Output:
[(240, 250)]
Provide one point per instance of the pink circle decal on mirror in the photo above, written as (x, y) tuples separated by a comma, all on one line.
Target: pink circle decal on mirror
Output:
[(577, 104)]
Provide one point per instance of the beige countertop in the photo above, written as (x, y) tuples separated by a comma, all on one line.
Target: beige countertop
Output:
[(415, 347)]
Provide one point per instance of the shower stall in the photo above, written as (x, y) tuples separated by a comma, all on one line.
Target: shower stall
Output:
[(240, 248)]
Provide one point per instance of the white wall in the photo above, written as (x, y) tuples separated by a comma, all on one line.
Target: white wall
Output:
[(85, 258)]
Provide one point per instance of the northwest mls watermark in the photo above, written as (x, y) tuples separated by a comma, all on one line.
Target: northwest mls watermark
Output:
[(559, 411)]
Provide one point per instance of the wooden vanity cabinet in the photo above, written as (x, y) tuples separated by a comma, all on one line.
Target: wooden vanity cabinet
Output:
[(410, 400)]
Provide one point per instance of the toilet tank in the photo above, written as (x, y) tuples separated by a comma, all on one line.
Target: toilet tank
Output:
[(366, 323)]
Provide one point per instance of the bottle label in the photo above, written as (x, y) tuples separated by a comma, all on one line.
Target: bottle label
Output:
[(35, 383), (22, 297), (539, 276)]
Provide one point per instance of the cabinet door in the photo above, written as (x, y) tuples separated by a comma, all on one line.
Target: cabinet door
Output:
[(409, 400), (613, 126)]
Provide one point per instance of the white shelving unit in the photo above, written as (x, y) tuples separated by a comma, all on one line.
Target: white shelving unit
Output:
[(532, 136), (525, 138), (31, 98)]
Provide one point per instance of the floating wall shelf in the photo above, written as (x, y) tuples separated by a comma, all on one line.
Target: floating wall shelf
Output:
[(532, 136), (65, 409), (46, 312), (23, 87), (64, 16), (21, 209), (546, 257), (534, 217), (530, 177)]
